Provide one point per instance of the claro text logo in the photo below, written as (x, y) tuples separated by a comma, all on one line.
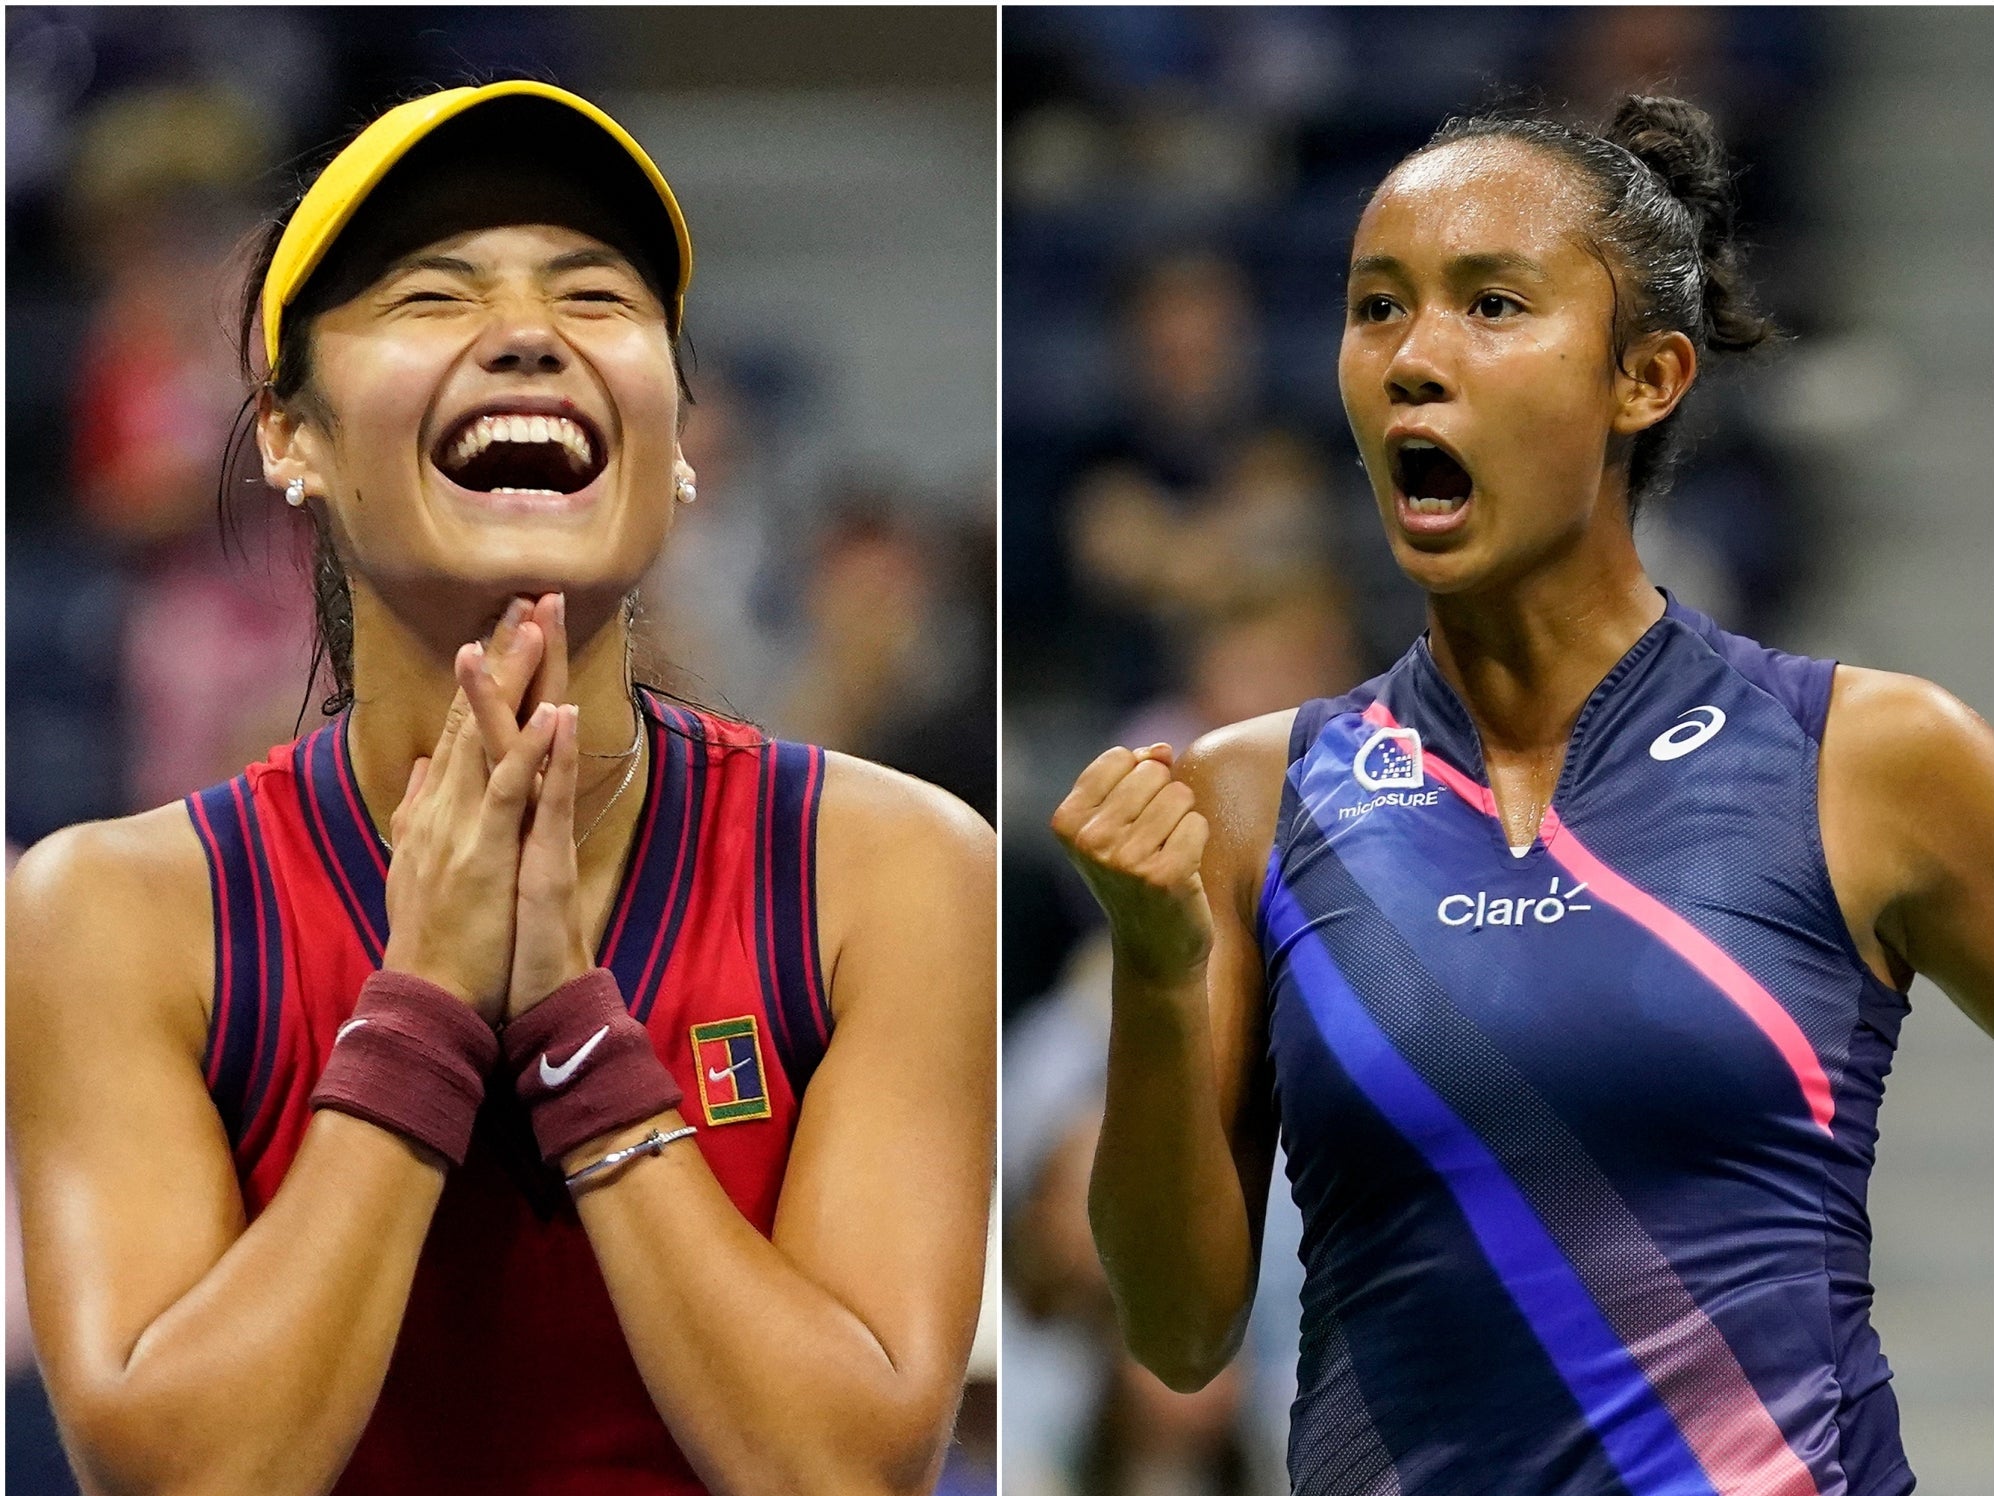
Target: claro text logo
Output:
[(1474, 910)]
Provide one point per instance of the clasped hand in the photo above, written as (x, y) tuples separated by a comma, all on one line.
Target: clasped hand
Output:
[(483, 888)]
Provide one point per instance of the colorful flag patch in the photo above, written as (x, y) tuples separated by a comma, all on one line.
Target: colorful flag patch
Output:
[(728, 1054)]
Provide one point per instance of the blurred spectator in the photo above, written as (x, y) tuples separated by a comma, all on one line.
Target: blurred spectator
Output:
[(1263, 655), (895, 661), (701, 611), (214, 654), (1191, 490), (158, 201), (1081, 1417)]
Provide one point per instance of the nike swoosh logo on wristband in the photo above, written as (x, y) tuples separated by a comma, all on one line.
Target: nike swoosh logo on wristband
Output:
[(347, 1028), (555, 1076)]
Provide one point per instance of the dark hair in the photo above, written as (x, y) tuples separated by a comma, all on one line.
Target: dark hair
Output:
[(291, 383), (1665, 230)]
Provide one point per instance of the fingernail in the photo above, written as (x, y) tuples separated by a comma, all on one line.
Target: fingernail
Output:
[(541, 713), (516, 611), (573, 714), (561, 609)]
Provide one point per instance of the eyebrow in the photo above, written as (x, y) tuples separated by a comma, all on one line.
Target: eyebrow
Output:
[(1486, 262), (448, 264), (587, 259)]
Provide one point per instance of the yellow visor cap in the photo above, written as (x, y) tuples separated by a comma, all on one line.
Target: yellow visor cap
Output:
[(355, 172)]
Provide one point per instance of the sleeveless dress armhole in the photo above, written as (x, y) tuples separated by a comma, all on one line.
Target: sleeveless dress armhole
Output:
[(1798, 683), (243, 1023), (792, 973)]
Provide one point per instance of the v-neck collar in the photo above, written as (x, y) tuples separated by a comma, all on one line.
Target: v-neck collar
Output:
[(651, 889), (1446, 726)]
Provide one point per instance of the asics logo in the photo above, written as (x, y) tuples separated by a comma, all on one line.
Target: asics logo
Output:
[(1688, 735), (555, 1076), (1474, 910)]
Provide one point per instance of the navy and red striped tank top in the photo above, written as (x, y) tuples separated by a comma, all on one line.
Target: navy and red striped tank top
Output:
[(511, 1372), (1581, 1138)]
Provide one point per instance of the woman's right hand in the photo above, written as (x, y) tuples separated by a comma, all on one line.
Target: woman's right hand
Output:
[(1132, 829), (452, 883)]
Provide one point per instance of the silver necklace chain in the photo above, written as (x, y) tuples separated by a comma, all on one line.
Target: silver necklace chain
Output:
[(628, 775), (633, 753)]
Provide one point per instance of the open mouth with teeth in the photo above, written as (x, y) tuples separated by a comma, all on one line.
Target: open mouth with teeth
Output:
[(1432, 481), (506, 453)]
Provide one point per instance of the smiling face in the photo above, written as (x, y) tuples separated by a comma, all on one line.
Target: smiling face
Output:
[(497, 410), (1478, 366)]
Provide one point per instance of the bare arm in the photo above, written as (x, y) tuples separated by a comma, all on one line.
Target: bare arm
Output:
[(831, 1357), (187, 1352), (1907, 821), (1179, 1191), (183, 1352)]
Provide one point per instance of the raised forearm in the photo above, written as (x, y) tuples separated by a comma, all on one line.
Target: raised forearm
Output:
[(1169, 1215), (767, 1381), (261, 1377)]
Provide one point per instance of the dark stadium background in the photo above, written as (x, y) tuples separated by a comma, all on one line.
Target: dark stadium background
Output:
[(1187, 541)]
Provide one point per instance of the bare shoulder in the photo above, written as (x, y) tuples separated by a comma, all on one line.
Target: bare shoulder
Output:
[(1907, 825), (869, 810), (1241, 758), (1236, 773), (899, 858), (125, 897), (1883, 700), (1904, 741)]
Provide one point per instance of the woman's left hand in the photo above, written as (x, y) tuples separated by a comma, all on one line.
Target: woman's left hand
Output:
[(549, 944)]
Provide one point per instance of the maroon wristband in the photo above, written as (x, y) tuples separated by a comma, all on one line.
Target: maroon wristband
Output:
[(583, 1066), (413, 1059)]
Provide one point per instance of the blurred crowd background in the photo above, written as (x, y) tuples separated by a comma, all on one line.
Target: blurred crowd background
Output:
[(836, 580), (1188, 541)]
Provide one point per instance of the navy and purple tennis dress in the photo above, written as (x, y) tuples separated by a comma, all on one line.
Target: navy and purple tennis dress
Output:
[(1581, 1137)]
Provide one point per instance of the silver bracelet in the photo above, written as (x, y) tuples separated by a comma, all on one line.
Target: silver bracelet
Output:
[(655, 1143)]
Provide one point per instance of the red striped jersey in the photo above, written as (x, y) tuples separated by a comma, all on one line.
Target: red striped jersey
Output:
[(511, 1372)]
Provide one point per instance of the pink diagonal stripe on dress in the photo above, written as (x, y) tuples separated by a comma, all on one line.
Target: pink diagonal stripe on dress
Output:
[(1701, 952), (1686, 1358), (1677, 933)]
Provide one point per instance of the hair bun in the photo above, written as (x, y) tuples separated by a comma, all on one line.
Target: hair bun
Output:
[(1679, 142)]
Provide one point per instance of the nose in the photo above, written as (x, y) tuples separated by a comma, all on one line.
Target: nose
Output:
[(520, 338), (1417, 374)]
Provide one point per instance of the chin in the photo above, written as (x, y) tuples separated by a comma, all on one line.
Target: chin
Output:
[(523, 562), (1441, 573), (531, 551)]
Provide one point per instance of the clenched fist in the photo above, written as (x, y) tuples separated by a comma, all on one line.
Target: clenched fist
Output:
[(1133, 830)]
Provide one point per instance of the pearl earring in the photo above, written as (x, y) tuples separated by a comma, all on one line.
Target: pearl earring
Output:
[(685, 492), (294, 493)]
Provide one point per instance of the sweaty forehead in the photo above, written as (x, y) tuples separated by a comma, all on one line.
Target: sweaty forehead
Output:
[(1472, 197), (539, 247)]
